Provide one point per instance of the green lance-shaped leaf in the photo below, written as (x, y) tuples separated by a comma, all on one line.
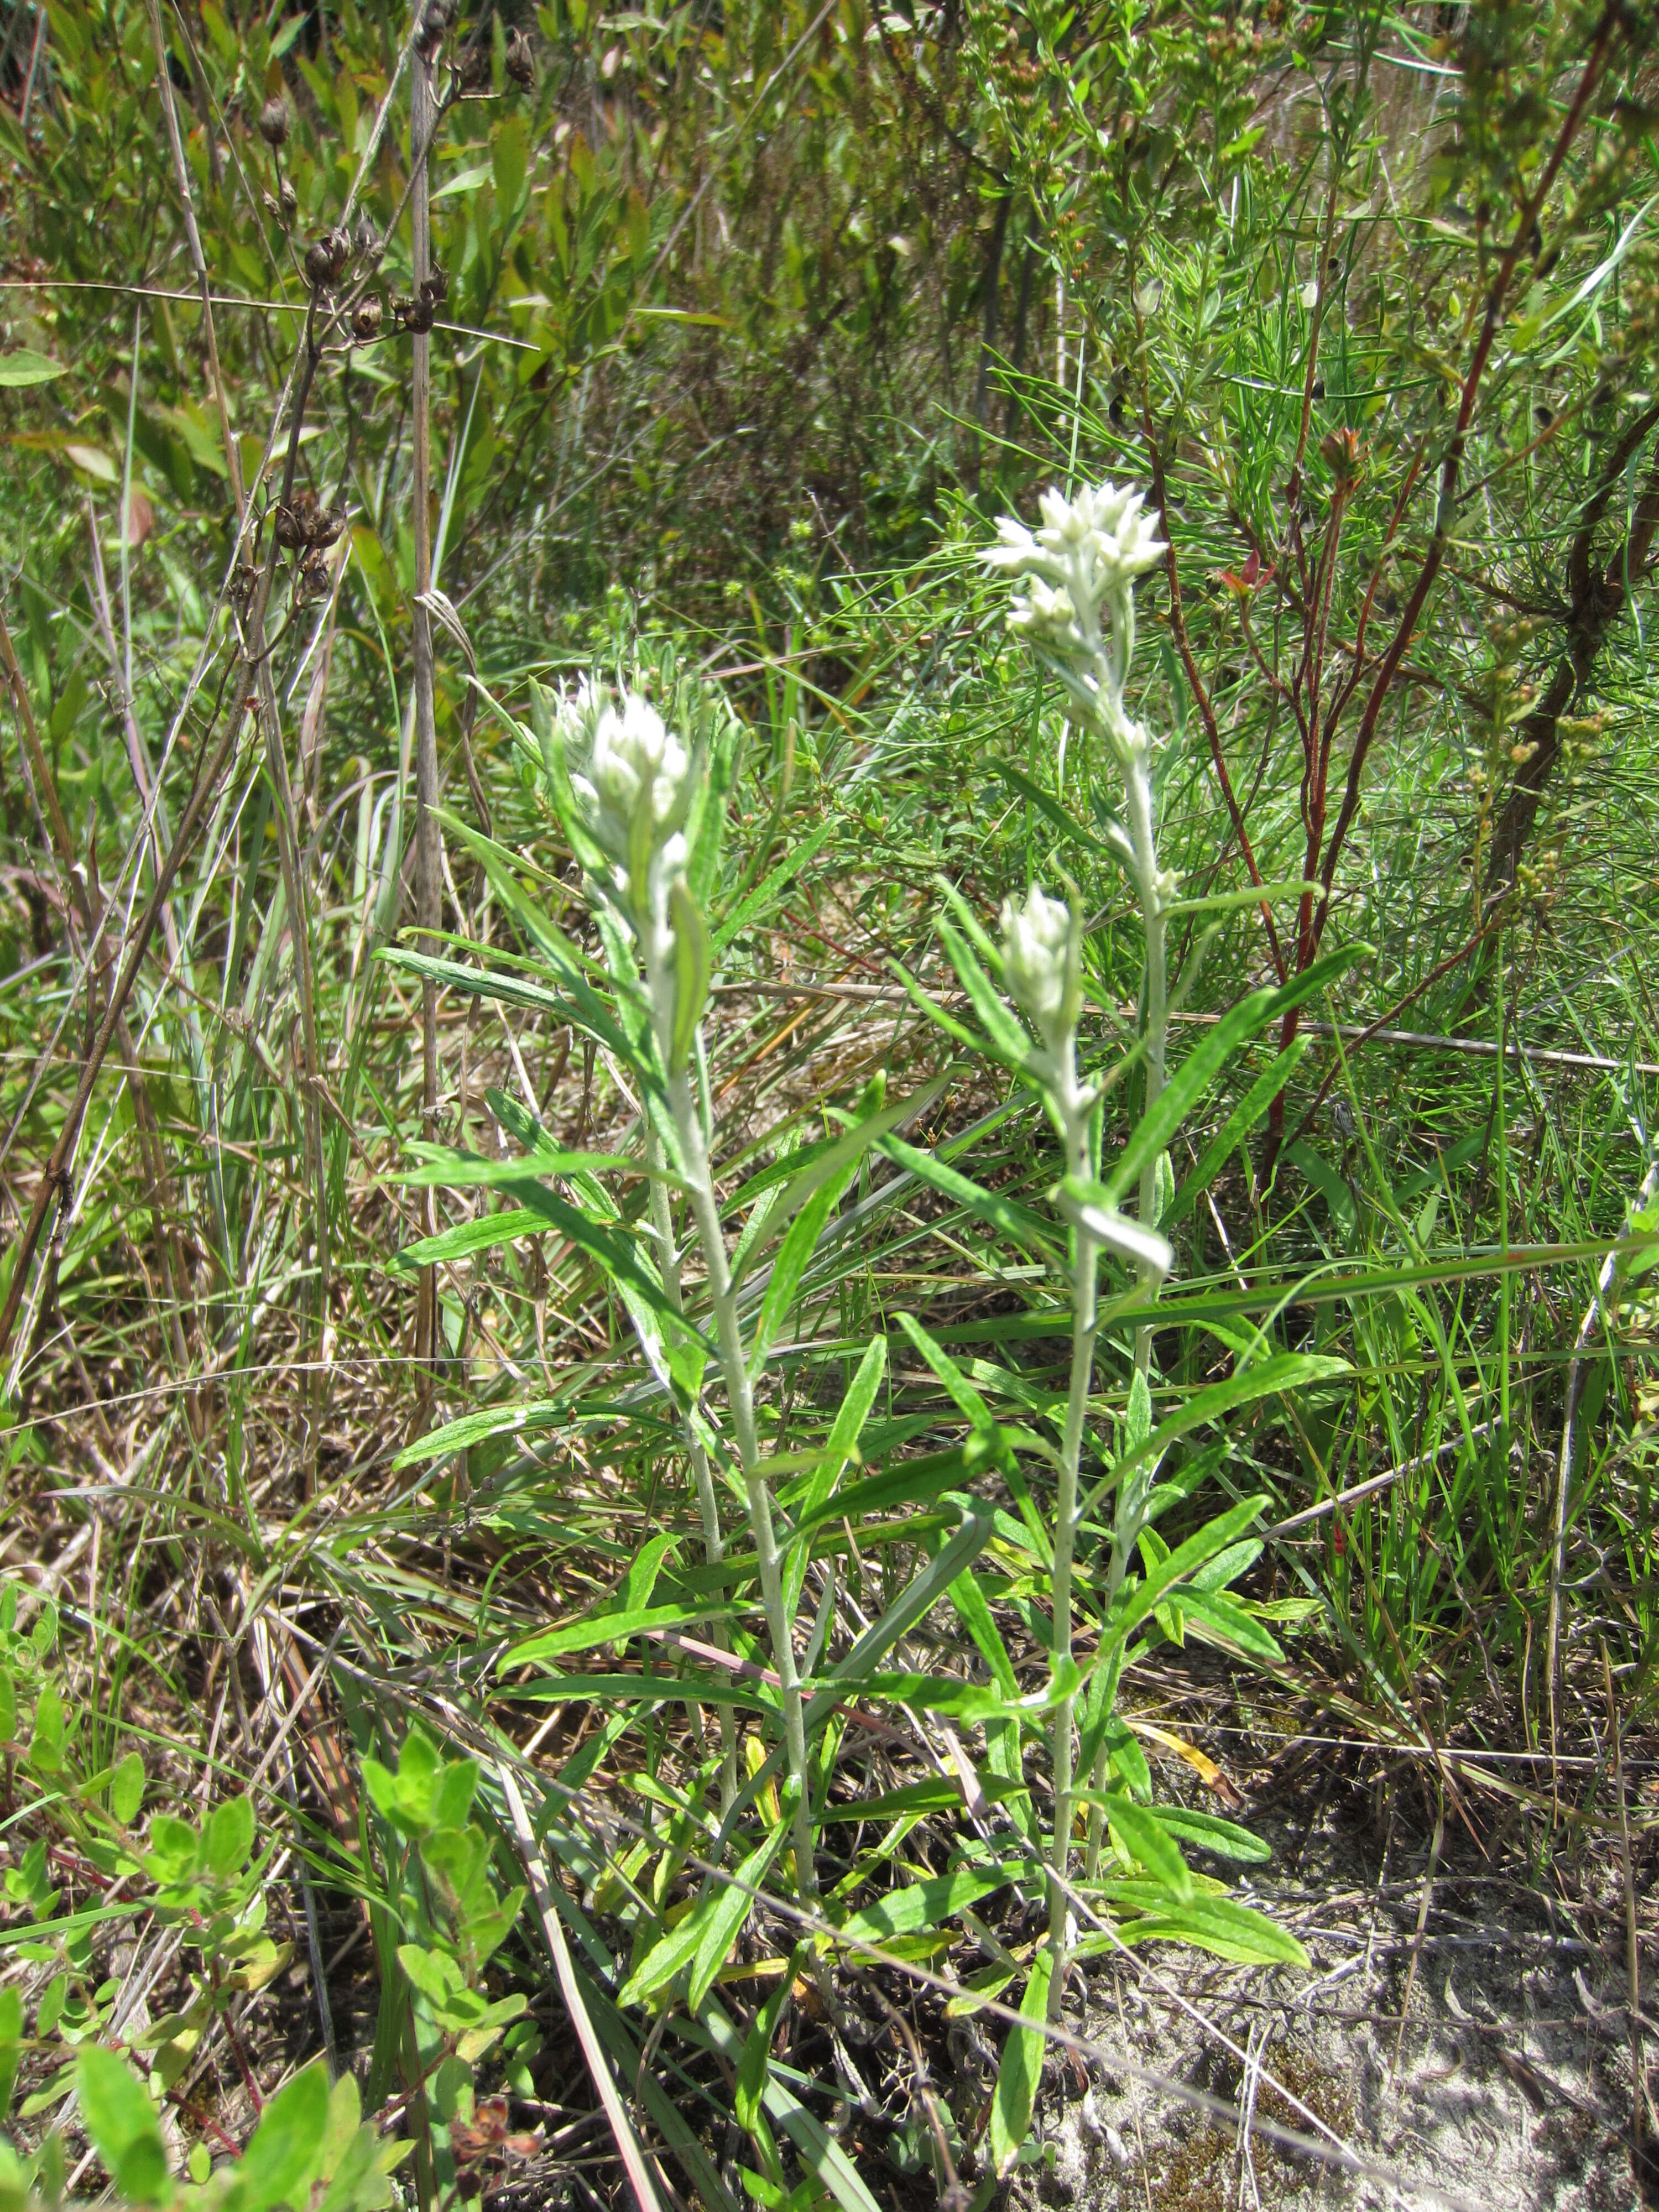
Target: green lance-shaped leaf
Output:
[(1020, 2072), (1145, 1839), (754, 2064), (1193, 1078)]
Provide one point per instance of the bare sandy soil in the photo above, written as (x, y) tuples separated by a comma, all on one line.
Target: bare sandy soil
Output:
[(1508, 2086)]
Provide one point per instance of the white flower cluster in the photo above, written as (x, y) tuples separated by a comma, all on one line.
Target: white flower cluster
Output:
[(1079, 568), (633, 778), (1041, 962)]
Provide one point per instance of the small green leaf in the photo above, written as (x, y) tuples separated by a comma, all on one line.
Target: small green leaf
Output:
[(228, 1837), (730, 1909), (924, 1904), (127, 1789), (1147, 1840)]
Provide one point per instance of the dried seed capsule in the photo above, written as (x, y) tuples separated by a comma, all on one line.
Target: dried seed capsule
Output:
[(366, 321), (289, 200), (365, 239), (518, 61), (339, 243), (434, 286), (319, 263), (415, 314), (290, 527), (326, 526), (273, 122)]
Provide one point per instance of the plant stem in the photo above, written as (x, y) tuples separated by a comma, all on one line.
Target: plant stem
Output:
[(740, 1397), (1139, 792), (713, 1543), (428, 862), (1085, 1276)]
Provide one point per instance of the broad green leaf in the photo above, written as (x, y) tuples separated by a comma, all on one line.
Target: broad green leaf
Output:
[(1020, 2072), (1018, 1223), (484, 1234), (1194, 1078), (731, 1906), (842, 1440), (23, 368), (1237, 1126), (1217, 1924), (794, 1256), (1134, 1606), (476, 1428), (974, 1608), (288, 2144), (1212, 1833), (1008, 1040), (122, 2123), (1228, 1619), (1333, 1188), (607, 1628), (755, 2062)]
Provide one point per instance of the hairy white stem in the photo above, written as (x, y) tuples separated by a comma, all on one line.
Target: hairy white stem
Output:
[(740, 1398), (656, 945), (714, 1543), (1086, 1258), (1149, 887)]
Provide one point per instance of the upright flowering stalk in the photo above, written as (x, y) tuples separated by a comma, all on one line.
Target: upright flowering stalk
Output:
[(1075, 602), (1042, 965), (635, 781)]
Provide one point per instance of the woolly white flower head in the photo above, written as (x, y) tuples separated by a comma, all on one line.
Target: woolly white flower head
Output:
[(1041, 962), (635, 776), (1079, 566)]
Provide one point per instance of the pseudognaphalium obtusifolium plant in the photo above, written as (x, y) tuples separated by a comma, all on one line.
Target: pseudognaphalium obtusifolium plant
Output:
[(638, 784), (1074, 602)]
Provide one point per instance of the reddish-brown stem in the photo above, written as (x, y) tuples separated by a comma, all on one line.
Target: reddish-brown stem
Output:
[(1202, 698), (1312, 929)]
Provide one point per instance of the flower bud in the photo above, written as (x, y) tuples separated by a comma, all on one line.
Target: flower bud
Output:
[(1041, 963), (636, 763), (1079, 567), (274, 121)]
